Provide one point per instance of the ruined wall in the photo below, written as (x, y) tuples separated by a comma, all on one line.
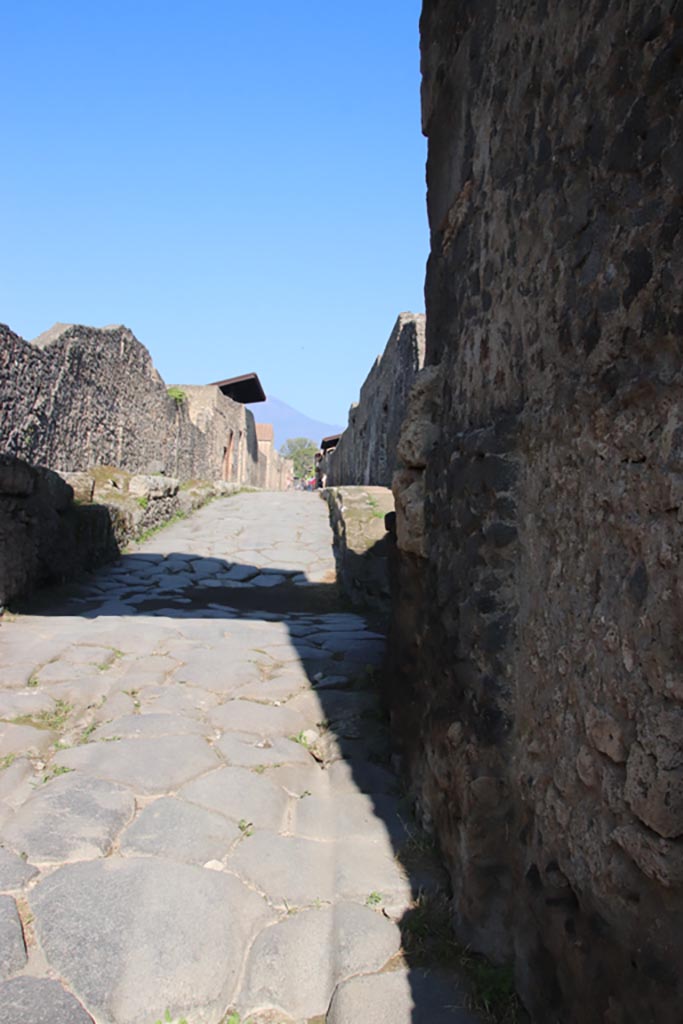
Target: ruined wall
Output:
[(537, 678), (278, 472), (81, 396), (366, 453)]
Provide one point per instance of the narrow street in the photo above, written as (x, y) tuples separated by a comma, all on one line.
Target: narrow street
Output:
[(198, 817)]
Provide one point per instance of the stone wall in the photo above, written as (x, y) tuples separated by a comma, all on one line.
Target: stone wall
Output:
[(44, 536), (79, 397), (537, 675), (366, 453), (54, 527), (361, 544)]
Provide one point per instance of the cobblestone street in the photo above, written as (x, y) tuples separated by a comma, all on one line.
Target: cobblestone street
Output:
[(198, 820)]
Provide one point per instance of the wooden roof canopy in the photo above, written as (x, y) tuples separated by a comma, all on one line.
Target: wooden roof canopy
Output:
[(245, 389), (331, 441)]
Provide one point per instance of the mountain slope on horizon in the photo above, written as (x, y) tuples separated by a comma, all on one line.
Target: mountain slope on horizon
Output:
[(288, 422)]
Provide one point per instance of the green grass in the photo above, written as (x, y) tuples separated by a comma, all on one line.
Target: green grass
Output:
[(87, 733), (146, 534), (58, 769), (168, 1019), (246, 827), (428, 941), (177, 394), (374, 899), (33, 682), (54, 719), (143, 502), (7, 760)]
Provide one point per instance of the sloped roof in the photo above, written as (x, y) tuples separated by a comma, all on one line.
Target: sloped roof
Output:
[(245, 389)]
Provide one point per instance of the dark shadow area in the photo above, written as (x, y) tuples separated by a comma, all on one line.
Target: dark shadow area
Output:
[(347, 678)]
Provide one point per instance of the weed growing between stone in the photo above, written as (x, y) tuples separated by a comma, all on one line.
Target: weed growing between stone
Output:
[(428, 941), (153, 530), (52, 720)]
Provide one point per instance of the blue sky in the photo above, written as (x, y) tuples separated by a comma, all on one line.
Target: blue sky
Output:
[(241, 184)]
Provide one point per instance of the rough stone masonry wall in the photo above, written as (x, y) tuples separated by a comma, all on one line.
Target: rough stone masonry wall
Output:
[(366, 453), (82, 397), (540, 697)]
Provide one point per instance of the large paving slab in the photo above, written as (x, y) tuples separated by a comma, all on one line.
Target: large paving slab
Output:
[(209, 825), (29, 1000), (289, 966), (146, 765), (70, 818), (400, 997), (180, 831), (294, 871), (241, 795), (12, 949), (133, 937)]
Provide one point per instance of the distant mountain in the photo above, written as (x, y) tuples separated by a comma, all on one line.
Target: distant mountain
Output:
[(288, 422)]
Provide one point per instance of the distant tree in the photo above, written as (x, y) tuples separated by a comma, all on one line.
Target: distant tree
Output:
[(301, 450)]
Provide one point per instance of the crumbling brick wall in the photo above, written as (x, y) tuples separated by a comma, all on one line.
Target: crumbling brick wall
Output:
[(537, 684)]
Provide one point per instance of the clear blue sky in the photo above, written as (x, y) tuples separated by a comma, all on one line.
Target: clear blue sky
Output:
[(242, 184)]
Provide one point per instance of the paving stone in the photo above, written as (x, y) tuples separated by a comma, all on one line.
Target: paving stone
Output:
[(14, 703), (239, 573), (351, 815), (367, 652), (297, 872), (12, 949), (28, 1000), (73, 817), (15, 782), (146, 671), (24, 739), (179, 831), (148, 726), (261, 719), (83, 693), (295, 965), (363, 776), (217, 671), (298, 779), (400, 997), (342, 641), (147, 766), (178, 700), (342, 622), (240, 794), (267, 580), (157, 934), (208, 566), (14, 871), (245, 750), (278, 688), (87, 654)]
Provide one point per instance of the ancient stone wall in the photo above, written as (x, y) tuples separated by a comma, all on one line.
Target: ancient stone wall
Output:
[(537, 676), (79, 397), (47, 537), (366, 453)]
